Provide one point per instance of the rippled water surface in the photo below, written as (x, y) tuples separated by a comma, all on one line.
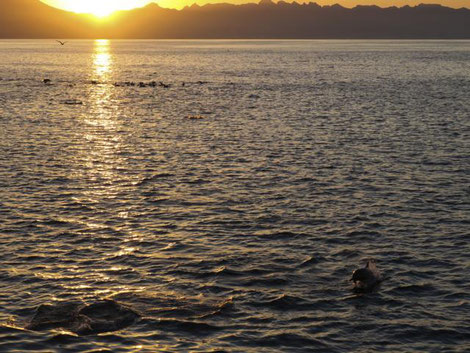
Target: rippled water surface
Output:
[(237, 231)]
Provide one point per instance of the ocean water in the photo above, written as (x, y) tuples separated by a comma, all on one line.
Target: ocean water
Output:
[(237, 231)]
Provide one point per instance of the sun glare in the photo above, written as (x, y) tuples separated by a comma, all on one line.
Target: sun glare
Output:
[(99, 8)]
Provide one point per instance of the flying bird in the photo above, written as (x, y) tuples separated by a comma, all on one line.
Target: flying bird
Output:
[(61, 43)]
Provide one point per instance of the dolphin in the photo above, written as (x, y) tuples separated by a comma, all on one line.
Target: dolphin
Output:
[(367, 278)]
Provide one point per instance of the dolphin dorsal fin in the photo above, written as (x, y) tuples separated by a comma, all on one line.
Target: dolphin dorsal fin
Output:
[(373, 268)]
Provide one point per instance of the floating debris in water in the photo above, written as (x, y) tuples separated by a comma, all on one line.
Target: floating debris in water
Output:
[(124, 84), (140, 84), (195, 117), (72, 102)]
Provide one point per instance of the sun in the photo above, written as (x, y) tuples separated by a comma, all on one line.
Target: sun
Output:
[(99, 8)]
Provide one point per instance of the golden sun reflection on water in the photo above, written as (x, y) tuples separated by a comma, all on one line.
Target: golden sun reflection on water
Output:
[(104, 174), (101, 138), (101, 92), (102, 59)]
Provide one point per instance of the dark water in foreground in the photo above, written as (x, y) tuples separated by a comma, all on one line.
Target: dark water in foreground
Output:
[(237, 232)]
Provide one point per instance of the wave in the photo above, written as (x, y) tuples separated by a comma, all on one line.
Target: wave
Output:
[(82, 319)]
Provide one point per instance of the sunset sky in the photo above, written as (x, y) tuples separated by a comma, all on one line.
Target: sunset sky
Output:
[(105, 7)]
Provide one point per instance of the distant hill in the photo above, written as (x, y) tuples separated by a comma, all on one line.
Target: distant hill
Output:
[(33, 19)]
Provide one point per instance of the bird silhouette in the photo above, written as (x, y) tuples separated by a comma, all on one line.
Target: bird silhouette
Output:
[(61, 43)]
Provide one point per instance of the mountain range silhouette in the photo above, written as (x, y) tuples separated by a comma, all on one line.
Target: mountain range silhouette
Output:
[(265, 20)]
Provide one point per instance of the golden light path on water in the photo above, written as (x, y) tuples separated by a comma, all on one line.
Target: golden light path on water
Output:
[(102, 60), (100, 165), (101, 122)]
